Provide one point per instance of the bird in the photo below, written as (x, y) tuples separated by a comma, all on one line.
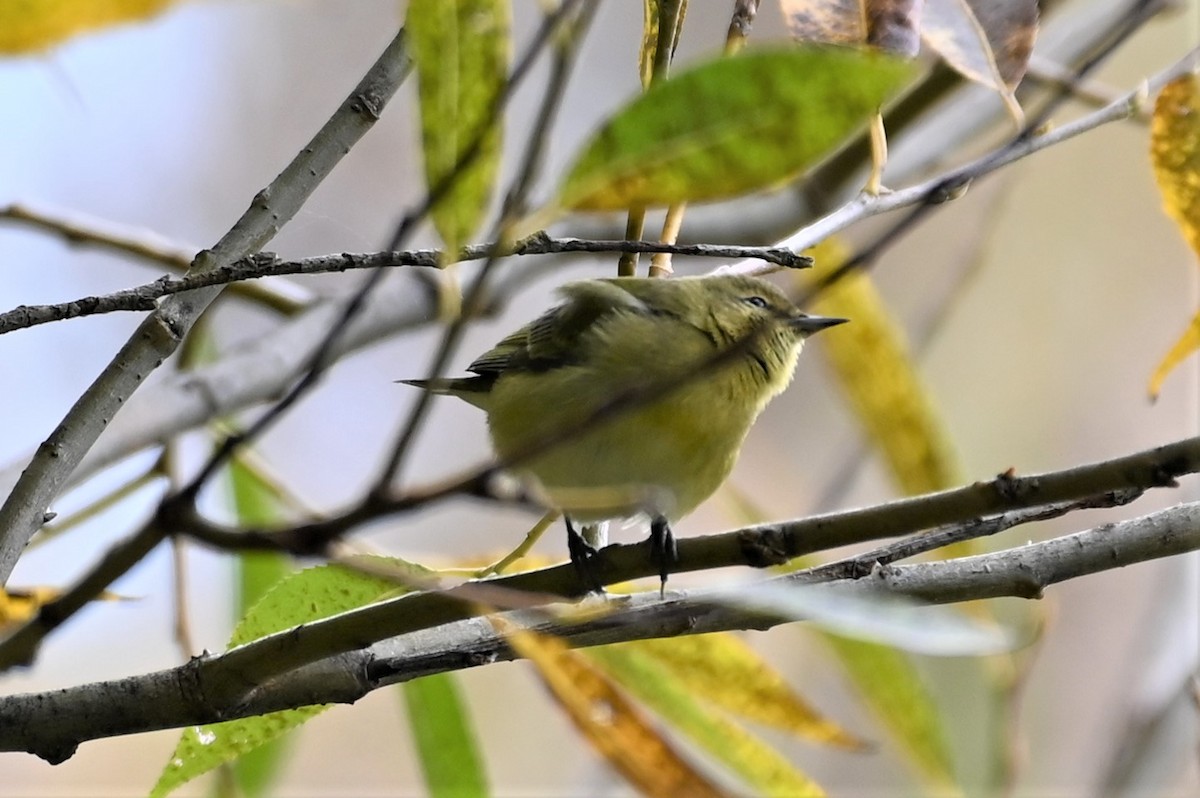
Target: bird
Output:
[(636, 387)]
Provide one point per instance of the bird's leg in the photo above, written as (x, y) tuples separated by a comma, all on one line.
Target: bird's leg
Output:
[(662, 549), (581, 554)]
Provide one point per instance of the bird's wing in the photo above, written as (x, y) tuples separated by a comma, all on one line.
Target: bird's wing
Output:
[(559, 336)]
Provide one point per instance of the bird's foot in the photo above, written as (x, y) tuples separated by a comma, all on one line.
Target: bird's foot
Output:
[(582, 554), (663, 550)]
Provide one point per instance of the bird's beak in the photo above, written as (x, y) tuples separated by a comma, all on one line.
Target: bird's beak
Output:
[(810, 324)]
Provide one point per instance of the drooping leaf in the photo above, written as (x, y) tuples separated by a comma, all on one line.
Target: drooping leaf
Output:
[(445, 741), (303, 596), (758, 764), (19, 605), (650, 14), (1175, 153), (890, 25), (460, 49), (722, 670), (875, 371), (256, 503), (767, 115), (883, 618), (662, 20), (1187, 343), (616, 729), (988, 42), (890, 685), (35, 25)]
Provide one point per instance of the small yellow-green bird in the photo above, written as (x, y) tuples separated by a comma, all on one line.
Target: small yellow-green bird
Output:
[(704, 355)]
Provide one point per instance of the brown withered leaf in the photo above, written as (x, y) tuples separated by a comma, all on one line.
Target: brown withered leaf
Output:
[(889, 25), (988, 41)]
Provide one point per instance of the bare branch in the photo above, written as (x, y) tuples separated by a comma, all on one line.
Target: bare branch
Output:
[(77, 229), (52, 724), (159, 335), (265, 264)]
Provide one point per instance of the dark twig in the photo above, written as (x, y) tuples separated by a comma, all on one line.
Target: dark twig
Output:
[(953, 185), (861, 565), (323, 355), (514, 208), (266, 264)]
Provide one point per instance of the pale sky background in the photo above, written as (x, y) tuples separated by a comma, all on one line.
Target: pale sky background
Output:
[(173, 125)]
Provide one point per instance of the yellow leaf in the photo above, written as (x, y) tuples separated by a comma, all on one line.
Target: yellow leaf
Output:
[(610, 722), (1188, 342), (722, 669), (19, 606), (765, 770), (31, 25), (875, 371), (1175, 152), (460, 49)]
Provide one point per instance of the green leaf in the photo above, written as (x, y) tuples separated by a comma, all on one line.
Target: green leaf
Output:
[(890, 685), (762, 767), (444, 738), (255, 502), (303, 596), (730, 126), (461, 50)]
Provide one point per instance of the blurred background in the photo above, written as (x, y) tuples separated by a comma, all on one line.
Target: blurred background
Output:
[(1079, 283)]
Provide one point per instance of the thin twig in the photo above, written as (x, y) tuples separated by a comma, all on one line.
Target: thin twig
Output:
[(1022, 144), (565, 49), (284, 297), (1091, 93), (265, 264), (861, 565), (160, 334), (324, 354)]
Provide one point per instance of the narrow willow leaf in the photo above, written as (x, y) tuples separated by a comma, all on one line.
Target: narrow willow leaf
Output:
[(730, 126), (875, 371), (1187, 343), (722, 670), (20, 605), (32, 26), (763, 768), (613, 725), (986, 41), (255, 503), (883, 618), (460, 49), (650, 14), (889, 684), (303, 596), (445, 741), (1175, 153)]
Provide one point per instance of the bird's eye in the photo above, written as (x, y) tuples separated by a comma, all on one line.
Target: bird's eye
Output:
[(756, 301)]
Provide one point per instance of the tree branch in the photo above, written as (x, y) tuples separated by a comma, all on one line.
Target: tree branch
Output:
[(76, 230), (158, 336), (52, 724), (265, 264)]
